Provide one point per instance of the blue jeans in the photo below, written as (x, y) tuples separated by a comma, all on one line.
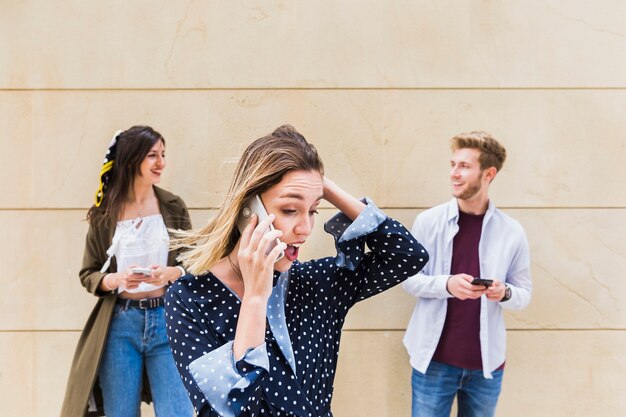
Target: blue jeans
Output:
[(136, 340), (434, 392)]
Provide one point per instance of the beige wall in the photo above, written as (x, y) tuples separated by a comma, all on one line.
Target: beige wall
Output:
[(379, 87)]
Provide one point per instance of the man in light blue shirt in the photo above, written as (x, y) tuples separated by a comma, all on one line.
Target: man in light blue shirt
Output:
[(456, 338)]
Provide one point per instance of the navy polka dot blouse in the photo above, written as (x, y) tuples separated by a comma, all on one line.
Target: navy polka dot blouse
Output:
[(292, 373)]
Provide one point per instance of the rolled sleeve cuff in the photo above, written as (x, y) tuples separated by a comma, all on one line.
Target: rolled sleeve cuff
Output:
[(227, 383), (442, 283), (350, 235)]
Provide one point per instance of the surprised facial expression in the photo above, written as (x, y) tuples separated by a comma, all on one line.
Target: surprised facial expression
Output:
[(294, 202)]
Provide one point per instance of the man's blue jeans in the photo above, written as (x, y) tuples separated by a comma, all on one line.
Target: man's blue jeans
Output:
[(137, 339), (434, 392)]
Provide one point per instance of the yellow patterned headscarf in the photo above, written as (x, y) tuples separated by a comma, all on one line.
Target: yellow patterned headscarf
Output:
[(107, 169)]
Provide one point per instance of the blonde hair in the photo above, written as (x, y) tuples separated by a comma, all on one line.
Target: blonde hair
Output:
[(261, 166), (492, 154)]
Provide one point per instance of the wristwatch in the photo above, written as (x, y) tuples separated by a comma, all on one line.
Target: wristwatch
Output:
[(507, 293)]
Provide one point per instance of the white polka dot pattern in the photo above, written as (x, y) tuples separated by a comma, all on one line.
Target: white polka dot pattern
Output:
[(292, 374), (217, 373)]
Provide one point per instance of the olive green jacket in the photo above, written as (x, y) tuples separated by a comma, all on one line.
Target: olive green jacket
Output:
[(83, 381)]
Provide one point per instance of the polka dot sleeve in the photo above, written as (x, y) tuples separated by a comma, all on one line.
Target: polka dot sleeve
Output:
[(394, 255), (349, 234), (215, 382), (229, 385)]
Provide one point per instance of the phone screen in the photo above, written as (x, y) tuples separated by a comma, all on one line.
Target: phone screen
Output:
[(255, 206)]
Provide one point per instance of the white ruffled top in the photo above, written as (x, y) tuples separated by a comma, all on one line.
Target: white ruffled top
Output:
[(140, 242)]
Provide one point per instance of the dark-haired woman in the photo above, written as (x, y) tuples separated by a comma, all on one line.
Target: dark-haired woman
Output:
[(123, 356)]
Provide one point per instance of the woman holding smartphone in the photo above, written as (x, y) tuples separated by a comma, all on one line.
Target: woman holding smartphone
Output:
[(123, 355), (253, 336)]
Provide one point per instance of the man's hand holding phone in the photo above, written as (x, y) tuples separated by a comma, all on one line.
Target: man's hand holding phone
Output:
[(482, 281), (496, 290), (460, 286)]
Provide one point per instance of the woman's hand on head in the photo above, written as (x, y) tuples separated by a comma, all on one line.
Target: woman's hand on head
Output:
[(341, 199), (328, 186), (255, 264)]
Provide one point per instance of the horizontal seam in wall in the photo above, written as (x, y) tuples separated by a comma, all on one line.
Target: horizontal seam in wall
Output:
[(484, 88)]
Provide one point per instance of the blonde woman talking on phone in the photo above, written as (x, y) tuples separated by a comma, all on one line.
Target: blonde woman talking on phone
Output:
[(254, 331)]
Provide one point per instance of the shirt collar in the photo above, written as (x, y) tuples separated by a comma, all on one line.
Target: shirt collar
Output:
[(453, 210)]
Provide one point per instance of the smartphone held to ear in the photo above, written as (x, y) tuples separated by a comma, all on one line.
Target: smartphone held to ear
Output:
[(252, 206)]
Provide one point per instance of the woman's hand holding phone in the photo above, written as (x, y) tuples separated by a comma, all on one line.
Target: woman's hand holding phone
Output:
[(129, 278), (255, 263), (254, 206), (143, 271), (256, 269), (161, 275)]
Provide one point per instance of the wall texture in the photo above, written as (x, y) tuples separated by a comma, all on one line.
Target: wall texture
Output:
[(379, 87)]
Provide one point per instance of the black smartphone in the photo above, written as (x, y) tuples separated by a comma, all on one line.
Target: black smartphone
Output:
[(255, 206), (482, 281)]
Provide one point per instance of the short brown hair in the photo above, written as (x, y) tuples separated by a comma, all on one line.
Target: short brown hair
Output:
[(492, 154)]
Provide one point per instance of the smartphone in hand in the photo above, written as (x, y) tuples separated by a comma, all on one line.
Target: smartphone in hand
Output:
[(482, 281), (255, 206), (143, 271)]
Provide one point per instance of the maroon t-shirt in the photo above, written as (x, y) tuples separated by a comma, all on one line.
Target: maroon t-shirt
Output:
[(459, 344)]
